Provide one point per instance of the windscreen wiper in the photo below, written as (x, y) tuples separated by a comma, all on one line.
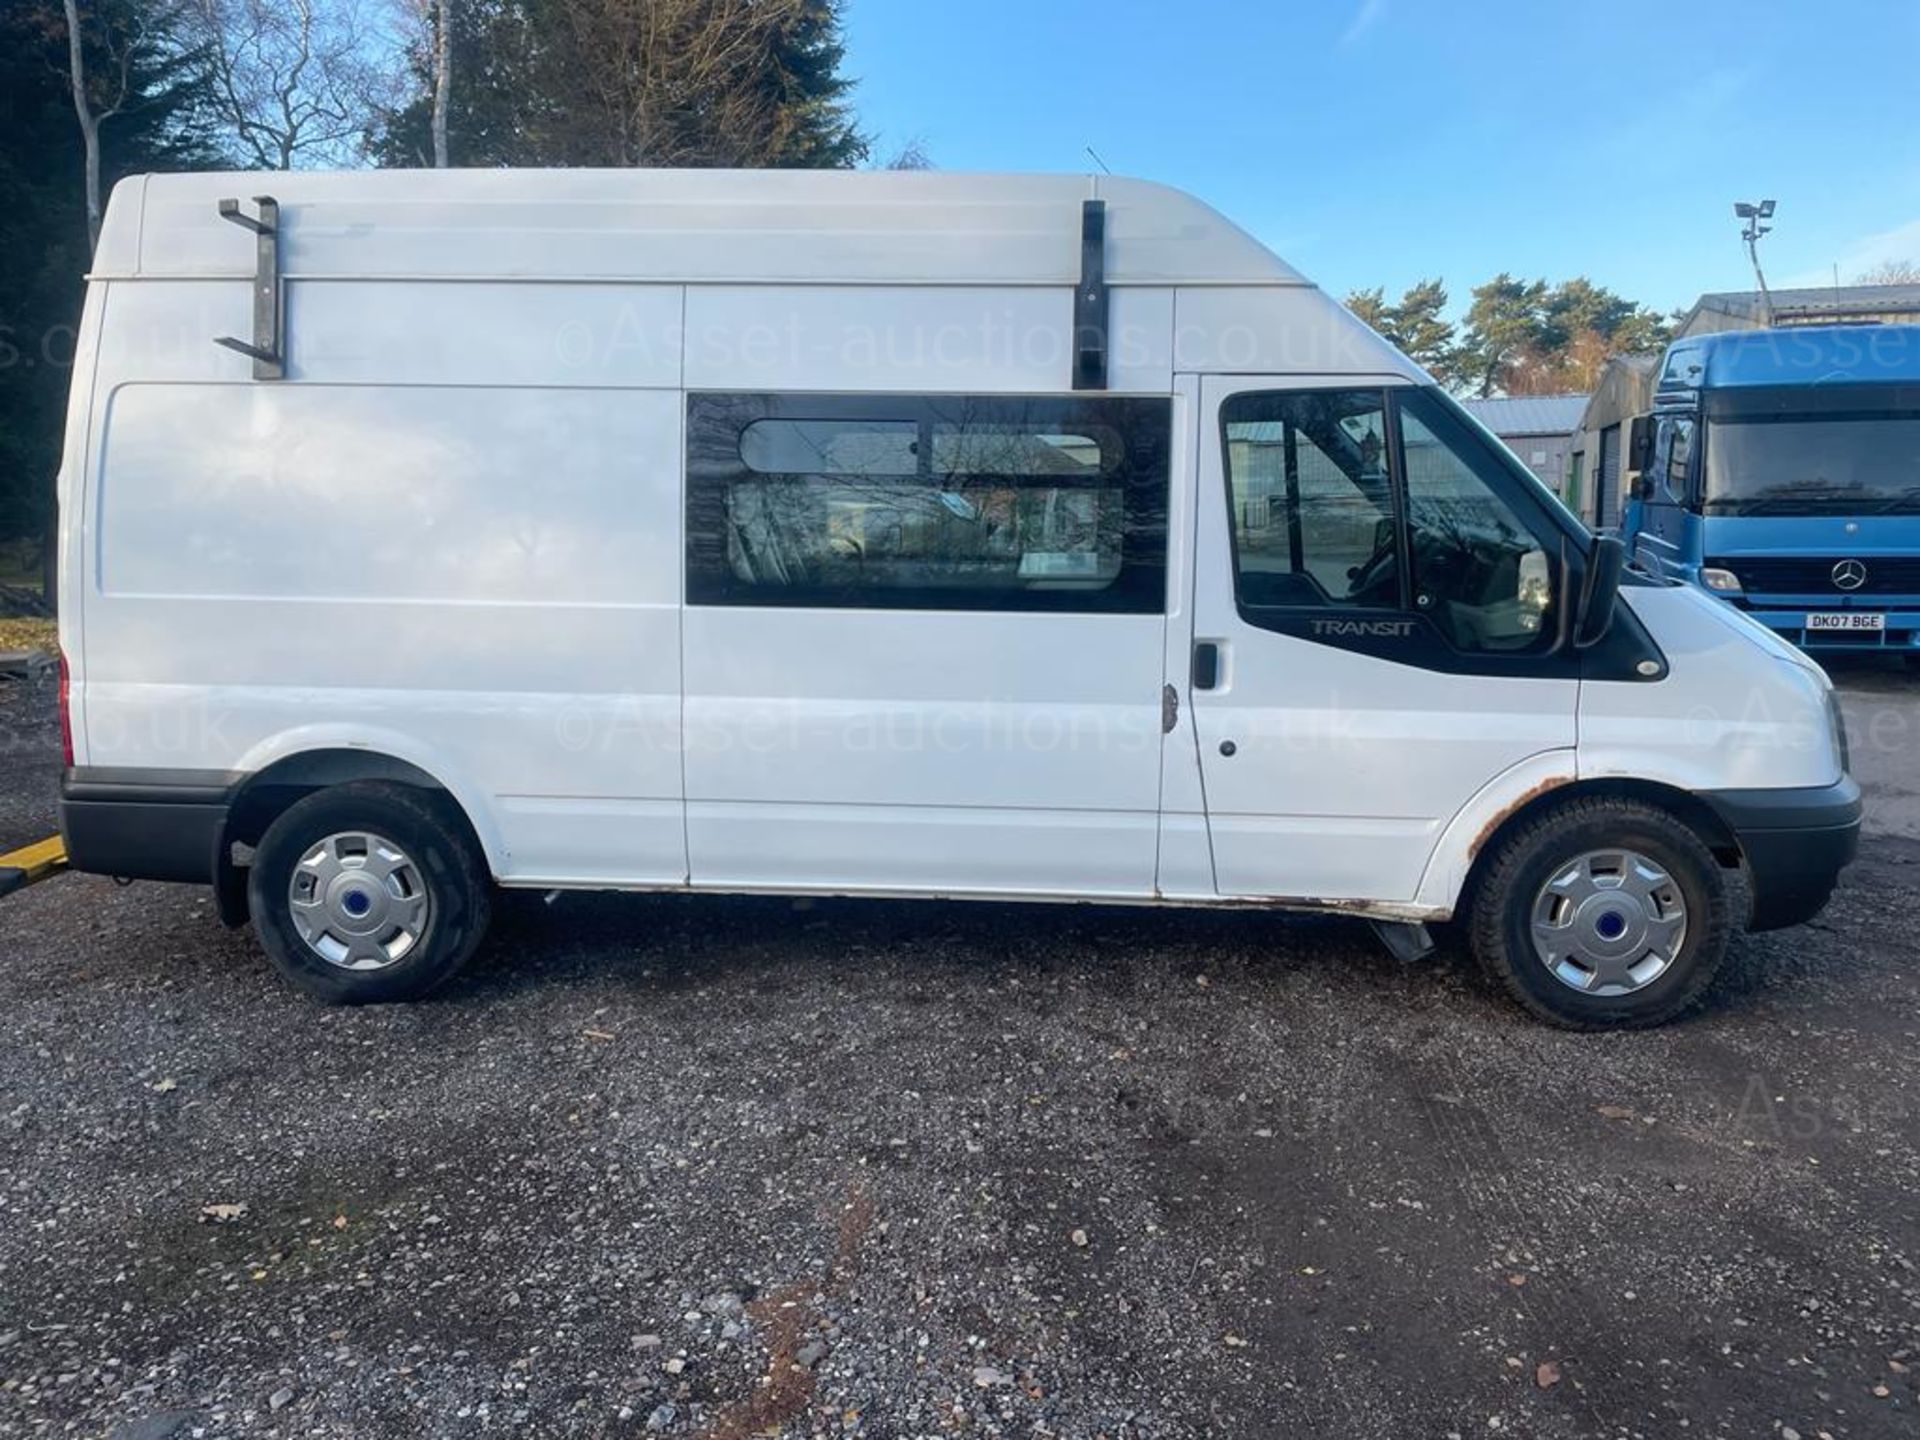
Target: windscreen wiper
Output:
[(1909, 497), (1780, 504)]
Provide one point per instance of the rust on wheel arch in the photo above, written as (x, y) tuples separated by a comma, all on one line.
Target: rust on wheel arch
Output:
[(1514, 807)]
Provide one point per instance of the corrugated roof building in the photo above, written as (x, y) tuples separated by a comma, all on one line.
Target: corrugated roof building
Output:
[(1537, 428), (1599, 465), (1824, 305)]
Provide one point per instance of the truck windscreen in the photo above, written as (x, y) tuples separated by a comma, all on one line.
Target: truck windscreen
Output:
[(1863, 464)]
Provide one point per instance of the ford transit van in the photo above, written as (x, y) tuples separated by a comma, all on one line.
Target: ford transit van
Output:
[(894, 534)]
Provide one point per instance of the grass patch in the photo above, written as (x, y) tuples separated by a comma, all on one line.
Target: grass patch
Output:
[(29, 634)]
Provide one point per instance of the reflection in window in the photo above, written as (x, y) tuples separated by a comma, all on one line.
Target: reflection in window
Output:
[(1312, 500), (1018, 450), (1679, 456), (1478, 573), (935, 502), (831, 447)]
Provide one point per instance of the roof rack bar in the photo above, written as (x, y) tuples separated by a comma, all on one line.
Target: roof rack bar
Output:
[(267, 349), (1090, 300)]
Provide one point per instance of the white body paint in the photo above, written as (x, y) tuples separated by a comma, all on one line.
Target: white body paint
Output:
[(454, 535)]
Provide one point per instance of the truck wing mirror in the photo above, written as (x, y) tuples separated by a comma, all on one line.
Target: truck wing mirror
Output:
[(1640, 443), (1599, 591)]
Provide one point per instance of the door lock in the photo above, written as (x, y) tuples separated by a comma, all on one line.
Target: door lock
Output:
[(1227, 747)]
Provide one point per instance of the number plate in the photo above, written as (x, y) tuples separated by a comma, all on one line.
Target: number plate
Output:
[(1847, 620)]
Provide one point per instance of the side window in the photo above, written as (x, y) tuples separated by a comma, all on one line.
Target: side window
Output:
[(1479, 574), (1382, 501), (928, 502), (1312, 500), (1679, 458)]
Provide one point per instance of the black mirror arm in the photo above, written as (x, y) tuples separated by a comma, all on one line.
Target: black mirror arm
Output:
[(1600, 588)]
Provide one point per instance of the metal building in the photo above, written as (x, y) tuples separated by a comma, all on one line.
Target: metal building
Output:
[(1537, 428), (1822, 305)]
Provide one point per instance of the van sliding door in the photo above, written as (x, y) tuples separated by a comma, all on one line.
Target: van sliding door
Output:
[(923, 642)]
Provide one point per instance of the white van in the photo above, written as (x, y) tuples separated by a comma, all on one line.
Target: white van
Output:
[(1027, 537)]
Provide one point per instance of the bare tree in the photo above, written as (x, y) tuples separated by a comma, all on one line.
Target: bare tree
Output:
[(97, 99), (442, 77), (1891, 272), (680, 82), (426, 31), (911, 156), (296, 81)]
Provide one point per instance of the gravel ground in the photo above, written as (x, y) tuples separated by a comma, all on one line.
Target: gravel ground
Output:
[(718, 1168), (29, 761)]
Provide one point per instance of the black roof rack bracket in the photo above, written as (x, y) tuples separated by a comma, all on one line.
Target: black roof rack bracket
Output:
[(1090, 300), (267, 349)]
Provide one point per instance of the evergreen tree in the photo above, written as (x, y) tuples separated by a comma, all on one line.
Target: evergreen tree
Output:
[(638, 82), (160, 123), (1417, 326)]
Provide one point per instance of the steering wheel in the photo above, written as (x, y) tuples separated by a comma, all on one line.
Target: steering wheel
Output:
[(1377, 575)]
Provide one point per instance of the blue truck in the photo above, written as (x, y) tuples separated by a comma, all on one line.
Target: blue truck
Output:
[(1780, 470)]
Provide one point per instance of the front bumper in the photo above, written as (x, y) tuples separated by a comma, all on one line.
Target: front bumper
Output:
[(1795, 843), (1789, 621)]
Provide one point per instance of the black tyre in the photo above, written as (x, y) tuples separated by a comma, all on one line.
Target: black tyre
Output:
[(368, 892), (1602, 913)]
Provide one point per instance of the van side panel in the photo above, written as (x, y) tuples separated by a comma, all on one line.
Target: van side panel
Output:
[(985, 339), (466, 332), (71, 496), (902, 750), (368, 496), (481, 578)]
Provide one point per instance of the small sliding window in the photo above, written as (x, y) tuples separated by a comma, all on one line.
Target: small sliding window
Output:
[(928, 502)]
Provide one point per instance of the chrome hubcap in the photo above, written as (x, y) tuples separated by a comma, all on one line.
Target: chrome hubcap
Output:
[(1609, 923), (359, 902)]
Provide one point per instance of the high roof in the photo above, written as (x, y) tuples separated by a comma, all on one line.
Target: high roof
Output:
[(1796, 355), (742, 226)]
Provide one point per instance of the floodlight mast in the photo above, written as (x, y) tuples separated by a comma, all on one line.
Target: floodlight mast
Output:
[(1756, 215)]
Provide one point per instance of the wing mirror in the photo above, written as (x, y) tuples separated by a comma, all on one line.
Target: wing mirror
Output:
[(1599, 591), (1640, 443)]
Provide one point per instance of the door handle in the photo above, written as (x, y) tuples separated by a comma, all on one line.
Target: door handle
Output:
[(1206, 665)]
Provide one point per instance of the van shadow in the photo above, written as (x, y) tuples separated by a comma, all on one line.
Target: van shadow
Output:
[(662, 945), (670, 942), (1870, 670)]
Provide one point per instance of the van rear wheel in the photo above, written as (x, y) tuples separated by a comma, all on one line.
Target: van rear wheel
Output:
[(1602, 913), (367, 892)]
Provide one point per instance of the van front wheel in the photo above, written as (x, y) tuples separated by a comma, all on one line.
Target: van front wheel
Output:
[(367, 892), (1603, 913)]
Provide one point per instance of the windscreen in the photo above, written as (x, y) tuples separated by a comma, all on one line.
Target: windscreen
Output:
[(1814, 465)]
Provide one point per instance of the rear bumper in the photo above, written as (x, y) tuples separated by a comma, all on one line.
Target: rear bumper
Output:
[(1795, 843), (144, 824)]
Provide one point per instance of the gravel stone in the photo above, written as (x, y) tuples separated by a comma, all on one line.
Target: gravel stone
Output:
[(468, 1218)]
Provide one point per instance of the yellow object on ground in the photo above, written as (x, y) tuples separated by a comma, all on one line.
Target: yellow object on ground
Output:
[(20, 868)]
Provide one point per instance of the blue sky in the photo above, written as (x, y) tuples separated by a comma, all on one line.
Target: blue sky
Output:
[(1380, 141)]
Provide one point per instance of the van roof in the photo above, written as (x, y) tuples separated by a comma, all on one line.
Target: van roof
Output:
[(1794, 355), (722, 226)]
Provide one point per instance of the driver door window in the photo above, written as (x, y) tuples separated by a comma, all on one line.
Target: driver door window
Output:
[(1479, 574), (1313, 501), (1677, 474), (1383, 501)]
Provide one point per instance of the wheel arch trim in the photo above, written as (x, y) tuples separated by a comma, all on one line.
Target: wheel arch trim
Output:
[(319, 756), (1525, 789)]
